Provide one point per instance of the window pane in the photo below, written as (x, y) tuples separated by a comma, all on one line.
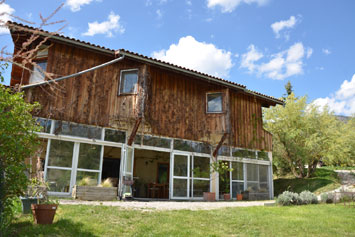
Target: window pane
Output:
[(242, 153), (237, 188), (129, 160), (201, 167), (45, 124), (156, 141), (112, 135), (89, 156), (180, 165), (93, 176), (200, 186), (252, 172), (237, 173), (263, 173), (180, 188), (78, 130), (214, 102), (191, 146), (224, 151), (37, 75), (262, 155), (58, 180), (252, 187), (61, 153), (264, 188), (129, 82)]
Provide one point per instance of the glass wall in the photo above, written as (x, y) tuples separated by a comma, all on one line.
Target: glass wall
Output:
[(200, 176), (237, 178), (59, 166)]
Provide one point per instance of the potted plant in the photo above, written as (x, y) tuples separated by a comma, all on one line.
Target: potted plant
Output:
[(29, 196), (44, 210), (239, 196), (226, 194), (222, 169)]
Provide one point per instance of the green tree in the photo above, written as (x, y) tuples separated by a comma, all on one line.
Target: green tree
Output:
[(302, 136), (288, 88), (18, 141)]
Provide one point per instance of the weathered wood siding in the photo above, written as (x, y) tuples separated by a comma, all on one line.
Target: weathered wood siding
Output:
[(177, 107), (247, 123), (175, 103), (91, 98)]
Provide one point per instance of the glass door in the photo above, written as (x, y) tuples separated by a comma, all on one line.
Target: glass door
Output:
[(126, 174), (180, 176), (59, 167)]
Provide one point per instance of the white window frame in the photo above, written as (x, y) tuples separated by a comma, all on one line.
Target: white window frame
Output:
[(216, 112), (121, 78)]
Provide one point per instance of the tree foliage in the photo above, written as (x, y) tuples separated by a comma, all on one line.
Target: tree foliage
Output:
[(17, 142), (303, 135)]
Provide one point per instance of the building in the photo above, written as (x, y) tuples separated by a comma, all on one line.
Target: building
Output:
[(119, 114)]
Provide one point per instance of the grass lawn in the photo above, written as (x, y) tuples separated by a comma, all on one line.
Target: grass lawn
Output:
[(311, 220), (323, 180)]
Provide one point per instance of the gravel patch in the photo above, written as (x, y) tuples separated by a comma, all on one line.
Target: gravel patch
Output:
[(168, 205)]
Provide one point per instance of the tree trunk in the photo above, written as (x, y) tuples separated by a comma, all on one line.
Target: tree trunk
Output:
[(311, 168)]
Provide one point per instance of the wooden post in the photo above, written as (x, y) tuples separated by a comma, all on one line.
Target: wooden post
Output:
[(134, 131), (215, 152)]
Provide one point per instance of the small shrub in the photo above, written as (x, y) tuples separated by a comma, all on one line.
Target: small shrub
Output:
[(288, 198), (308, 197), (107, 183), (87, 181), (327, 197)]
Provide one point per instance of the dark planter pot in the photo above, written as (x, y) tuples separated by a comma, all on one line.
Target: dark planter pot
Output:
[(227, 196), (26, 204), (44, 213), (245, 195)]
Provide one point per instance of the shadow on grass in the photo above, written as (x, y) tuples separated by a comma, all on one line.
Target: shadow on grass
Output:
[(63, 227), (321, 178)]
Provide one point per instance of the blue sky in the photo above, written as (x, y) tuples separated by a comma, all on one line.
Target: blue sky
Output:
[(259, 43)]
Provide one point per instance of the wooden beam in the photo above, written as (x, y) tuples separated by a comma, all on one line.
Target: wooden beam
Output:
[(134, 132), (219, 145)]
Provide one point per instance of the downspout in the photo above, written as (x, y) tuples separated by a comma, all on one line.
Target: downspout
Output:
[(75, 74)]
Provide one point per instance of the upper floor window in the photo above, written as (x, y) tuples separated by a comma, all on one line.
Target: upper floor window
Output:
[(129, 81), (214, 103), (37, 74)]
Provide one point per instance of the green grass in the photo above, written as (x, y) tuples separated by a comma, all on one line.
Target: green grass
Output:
[(323, 180), (310, 220)]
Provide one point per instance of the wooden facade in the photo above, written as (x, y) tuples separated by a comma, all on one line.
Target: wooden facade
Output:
[(169, 102)]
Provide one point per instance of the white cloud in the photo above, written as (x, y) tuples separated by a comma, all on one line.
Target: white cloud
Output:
[(159, 14), (326, 51), (188, 2), (5, 15), (75, 5), (309, 52), (343, 101), (230, 5), (281, 25), (201, 56), (106, 27), (281, 65), (249, 58)]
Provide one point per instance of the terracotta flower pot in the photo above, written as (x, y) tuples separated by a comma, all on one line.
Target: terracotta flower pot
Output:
[(239, 197), (227, 196), (44, 213), (209, 196)]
